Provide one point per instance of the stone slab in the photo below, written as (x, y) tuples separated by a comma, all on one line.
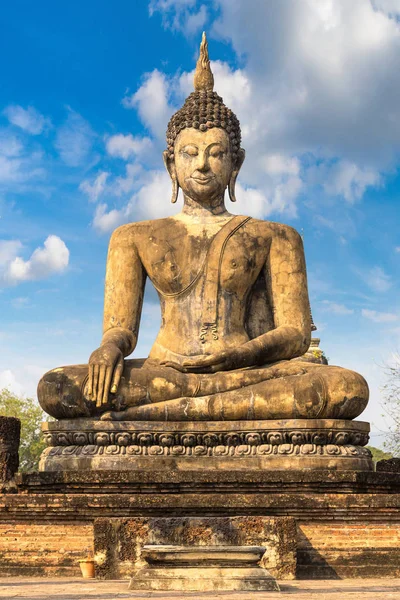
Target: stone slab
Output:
[(235, 482), (65, 507), (291, 444), (203, 579), (202, 569)]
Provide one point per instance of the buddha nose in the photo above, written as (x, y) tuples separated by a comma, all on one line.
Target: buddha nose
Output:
[(203, 162)]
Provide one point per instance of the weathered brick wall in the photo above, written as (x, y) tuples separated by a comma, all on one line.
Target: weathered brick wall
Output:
[(330, 549), (348, 550), (45, 549)]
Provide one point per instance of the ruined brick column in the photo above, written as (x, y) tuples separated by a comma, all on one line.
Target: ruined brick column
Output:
[(10, 429)]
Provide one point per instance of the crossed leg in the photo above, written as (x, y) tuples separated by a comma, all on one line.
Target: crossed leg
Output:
[(149, 391)]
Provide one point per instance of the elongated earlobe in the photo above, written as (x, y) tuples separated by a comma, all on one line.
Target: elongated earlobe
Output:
[(175, 190), (235, 173), (170, 166), (231, 189)]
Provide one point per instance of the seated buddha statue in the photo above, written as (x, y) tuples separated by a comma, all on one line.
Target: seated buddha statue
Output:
[(234, 302)]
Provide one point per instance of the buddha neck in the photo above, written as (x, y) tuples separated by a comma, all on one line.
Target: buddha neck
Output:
[(203, 212)]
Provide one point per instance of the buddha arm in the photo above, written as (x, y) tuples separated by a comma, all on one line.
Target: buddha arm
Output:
[(286, 277), (124, 290)]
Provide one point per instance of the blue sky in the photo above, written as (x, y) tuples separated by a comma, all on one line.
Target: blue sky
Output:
[(87, 90)]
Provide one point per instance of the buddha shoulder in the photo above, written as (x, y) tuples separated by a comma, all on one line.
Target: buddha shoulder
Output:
[(139, 232), (272, 231)]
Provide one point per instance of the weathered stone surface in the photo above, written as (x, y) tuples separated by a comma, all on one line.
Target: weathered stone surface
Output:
[(269, 483), (10, 429), (391, 465), (119, 543), (234, 303), (202, 569), (285, 444)]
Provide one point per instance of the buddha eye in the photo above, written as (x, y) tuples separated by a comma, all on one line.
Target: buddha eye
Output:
[(217, 153), (191, 151)]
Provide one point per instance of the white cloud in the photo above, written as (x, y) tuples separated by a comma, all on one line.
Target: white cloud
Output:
[(20, 302), (180, 15), (337, 309), (165, 5), (397, 249), (17, 164), (151, 201), (52, 258), (28, 119), (389, 7), (9, 250), (74, 140), (276, 196), (321, 100), (195, 21), (105, 220), (10, 145), (10, 170), (379, 317), (277, 164), (96, 187), (9, 381), (377, 279), (151, 102), (348, 180), (250, 200), (127, 146)]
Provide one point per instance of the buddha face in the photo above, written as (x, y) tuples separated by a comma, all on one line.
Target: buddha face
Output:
[(203, 164)]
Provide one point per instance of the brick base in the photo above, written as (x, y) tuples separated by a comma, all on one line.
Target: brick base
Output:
[(50, 550), (348, 524), (346, 550)]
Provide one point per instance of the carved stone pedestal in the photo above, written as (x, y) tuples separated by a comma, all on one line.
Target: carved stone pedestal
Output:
[(203, 569), (294, 444)]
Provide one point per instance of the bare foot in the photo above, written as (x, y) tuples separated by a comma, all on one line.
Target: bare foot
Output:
[(109, 416)]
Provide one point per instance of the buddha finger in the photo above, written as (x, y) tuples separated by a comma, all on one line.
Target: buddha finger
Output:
[(208, 361), (222, 366), (107, 385), (173, 365), (90, 381), (119, 367), (100, 388), (95, 381)]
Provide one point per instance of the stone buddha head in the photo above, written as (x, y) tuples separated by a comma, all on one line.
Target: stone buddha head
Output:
[(203, 138)]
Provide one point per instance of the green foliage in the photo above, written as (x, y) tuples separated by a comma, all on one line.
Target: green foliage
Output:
[(378, 454), (31, 416)]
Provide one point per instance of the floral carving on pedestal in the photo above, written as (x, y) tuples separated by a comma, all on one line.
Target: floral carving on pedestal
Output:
[(185, 440)]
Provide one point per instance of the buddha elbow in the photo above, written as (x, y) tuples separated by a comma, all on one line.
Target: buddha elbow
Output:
[(302, 344)]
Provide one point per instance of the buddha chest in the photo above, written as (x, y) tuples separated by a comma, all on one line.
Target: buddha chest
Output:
[(177, 263)]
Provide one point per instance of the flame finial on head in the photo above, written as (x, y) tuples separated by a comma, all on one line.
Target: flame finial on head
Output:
[(203, 77)]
